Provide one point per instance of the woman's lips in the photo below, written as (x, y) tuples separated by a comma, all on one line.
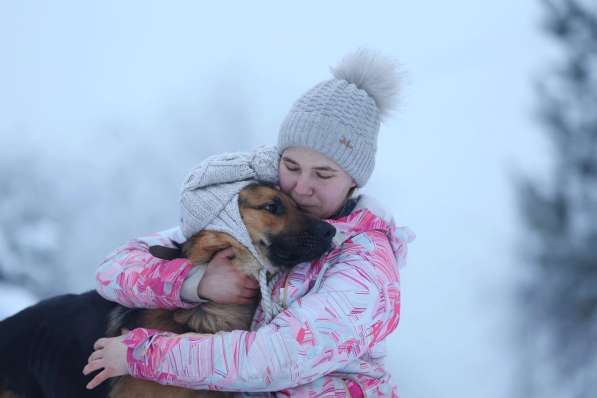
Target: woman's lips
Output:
[(303, 207)]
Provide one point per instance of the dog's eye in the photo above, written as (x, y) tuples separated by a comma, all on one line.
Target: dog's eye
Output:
[(274, 207)]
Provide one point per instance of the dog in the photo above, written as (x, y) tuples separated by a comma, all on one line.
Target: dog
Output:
[(44, 347), (282, 234)]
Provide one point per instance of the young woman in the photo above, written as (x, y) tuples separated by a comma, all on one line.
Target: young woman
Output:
[(329, 340)]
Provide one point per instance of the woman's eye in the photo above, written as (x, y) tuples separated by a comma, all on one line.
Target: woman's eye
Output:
[(324, 177), (290, 167)]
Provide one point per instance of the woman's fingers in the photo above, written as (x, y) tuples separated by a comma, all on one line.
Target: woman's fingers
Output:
[(95, 355), (92, 367), (251, 283), (100, 343), (248, 293), (109, 355), (98, 379), (228, 253), (249, 289)]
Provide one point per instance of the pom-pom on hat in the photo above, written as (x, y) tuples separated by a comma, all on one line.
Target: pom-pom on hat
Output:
[(340, 117)]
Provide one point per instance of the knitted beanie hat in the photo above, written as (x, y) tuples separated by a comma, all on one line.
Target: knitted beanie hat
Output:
[(209, 197), (340, 118)]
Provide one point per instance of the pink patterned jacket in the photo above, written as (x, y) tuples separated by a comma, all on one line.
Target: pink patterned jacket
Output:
[(328, 342)]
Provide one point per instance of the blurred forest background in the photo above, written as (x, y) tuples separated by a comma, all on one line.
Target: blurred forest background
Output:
[(560, 292), (491, 159)]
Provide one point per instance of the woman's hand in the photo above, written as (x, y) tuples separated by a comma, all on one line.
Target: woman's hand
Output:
[(109, 355), (223, 283)]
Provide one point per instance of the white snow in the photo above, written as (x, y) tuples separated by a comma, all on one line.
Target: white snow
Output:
[(13, 299)]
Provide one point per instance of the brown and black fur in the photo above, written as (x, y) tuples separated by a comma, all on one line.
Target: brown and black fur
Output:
[(282, 234)]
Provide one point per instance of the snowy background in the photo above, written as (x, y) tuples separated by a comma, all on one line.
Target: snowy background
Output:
[(105, 106)]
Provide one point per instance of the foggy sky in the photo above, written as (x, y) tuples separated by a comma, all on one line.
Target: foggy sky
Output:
[(80, 78)]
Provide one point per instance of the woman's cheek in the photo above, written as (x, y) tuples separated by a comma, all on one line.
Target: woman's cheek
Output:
[(285, 181)]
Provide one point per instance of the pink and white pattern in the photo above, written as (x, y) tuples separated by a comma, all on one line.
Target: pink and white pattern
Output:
[(328, 342)]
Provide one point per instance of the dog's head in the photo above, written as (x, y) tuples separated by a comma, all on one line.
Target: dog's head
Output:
[(279, 230), (282, 234)]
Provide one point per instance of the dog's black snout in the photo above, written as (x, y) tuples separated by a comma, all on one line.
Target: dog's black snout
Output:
[(325, 230)]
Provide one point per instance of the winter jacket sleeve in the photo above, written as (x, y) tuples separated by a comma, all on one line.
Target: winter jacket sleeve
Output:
[(357, 304), (133, 277)]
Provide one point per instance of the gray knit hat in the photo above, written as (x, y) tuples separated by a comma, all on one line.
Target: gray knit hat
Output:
[(209, 197), (340, 117)]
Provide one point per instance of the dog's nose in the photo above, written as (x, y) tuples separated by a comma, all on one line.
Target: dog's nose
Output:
[(325, 230)]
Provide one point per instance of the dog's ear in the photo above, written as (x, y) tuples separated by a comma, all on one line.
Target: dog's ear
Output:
[(166, 253)]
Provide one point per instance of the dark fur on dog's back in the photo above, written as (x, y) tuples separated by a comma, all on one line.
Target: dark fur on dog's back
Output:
[(44, 348)]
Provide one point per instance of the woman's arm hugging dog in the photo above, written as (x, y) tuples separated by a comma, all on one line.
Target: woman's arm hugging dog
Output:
[(283, 235)]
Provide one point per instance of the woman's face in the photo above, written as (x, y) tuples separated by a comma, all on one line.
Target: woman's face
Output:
[(315, 182)]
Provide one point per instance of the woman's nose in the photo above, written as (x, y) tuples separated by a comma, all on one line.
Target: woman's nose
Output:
[(303, 187)]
